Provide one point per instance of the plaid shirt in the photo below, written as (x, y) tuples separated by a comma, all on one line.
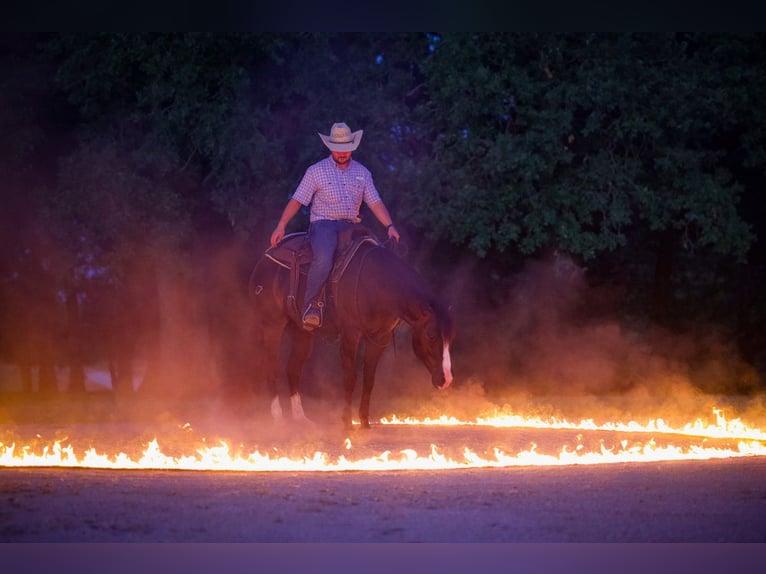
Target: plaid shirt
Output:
[(336, 193)]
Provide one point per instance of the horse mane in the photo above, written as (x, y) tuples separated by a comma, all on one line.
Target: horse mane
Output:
[(418, 298)]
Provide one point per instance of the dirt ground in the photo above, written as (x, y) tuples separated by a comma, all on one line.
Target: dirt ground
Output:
[(721, 501), (710, 501), (520, 519)]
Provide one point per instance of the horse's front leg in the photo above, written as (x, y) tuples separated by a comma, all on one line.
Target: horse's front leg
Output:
[(300, 349), (372, 353), (348, 348)]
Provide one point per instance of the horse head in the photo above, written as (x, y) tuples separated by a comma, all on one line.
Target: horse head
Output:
[(432, 334)]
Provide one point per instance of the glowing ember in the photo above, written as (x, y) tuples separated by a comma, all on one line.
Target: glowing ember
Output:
[(737, 438)]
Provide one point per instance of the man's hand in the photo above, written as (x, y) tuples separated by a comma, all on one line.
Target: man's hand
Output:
[(277, 235), (393, 233), (290, 210)]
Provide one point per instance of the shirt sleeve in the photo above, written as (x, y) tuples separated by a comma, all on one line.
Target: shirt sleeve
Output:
[(371, 195)]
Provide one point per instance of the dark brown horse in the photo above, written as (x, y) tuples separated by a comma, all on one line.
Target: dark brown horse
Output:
[(373, 294)]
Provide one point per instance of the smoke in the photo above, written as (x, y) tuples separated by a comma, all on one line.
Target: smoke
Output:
[(545, 343), (557, 346)]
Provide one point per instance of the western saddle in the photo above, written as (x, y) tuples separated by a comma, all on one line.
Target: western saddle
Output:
[(294, 254)]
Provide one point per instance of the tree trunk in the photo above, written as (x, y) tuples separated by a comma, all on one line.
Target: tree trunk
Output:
[(121, 366), (25, 370), (47, 383), (74, 349)]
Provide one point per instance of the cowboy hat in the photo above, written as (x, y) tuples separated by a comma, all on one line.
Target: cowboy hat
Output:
[(341, 138)]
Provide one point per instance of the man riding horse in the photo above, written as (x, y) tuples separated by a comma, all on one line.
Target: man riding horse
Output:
[(334, 188)]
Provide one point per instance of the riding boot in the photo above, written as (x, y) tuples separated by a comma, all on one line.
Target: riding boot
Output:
[(312, 316)]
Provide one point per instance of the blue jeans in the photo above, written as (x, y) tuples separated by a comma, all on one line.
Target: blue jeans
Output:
[(323, 235)]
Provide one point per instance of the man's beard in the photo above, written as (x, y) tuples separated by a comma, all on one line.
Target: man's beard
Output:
[(344, 161)]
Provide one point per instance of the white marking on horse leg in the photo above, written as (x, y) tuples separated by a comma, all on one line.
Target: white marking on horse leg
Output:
[(447, 367), (276, 409), (297, 407)]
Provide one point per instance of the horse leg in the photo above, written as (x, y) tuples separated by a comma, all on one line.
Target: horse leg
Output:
[(300, 348), (269, 346), (348, 348), (372, 353)]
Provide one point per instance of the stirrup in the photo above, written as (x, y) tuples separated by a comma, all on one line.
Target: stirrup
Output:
[(312, 316)]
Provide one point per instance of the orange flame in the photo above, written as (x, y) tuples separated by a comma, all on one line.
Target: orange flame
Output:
[(741, 441), (722, 428)]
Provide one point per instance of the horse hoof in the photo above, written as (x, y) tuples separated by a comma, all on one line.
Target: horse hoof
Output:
[(364, 423)]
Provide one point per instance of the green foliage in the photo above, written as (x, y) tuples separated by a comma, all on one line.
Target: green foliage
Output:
[(114, 193), (496, 142), (182, 87), (568, 140)]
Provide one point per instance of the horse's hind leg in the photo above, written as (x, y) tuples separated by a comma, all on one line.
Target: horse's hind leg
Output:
[(269, 346), (301, 343), (372, 354), (348, 348)]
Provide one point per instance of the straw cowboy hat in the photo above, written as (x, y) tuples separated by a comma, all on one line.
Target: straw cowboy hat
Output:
[(341, 138)]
